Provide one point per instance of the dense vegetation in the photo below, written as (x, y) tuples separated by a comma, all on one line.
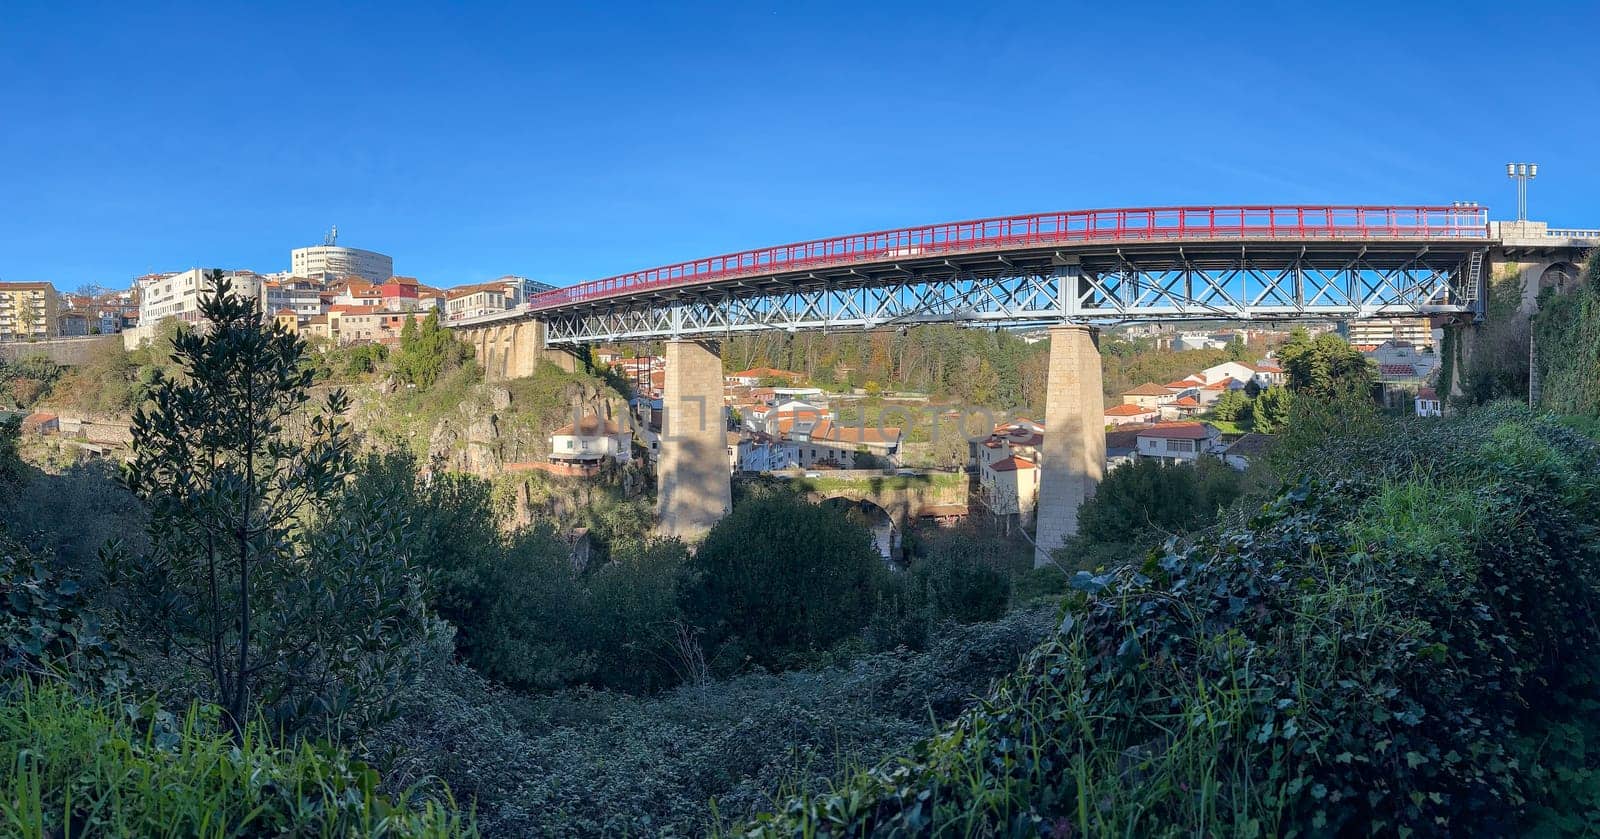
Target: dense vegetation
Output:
[(974, 366), (1409, 649), (1567, 332), (1387, 626)]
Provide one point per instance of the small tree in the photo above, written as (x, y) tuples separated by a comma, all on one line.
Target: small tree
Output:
[(779, 578), (1271, 410), (1231, 406), (427, 349), (242, 577)]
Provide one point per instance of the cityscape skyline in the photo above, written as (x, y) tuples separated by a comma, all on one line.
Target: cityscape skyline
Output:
[(522, 145)]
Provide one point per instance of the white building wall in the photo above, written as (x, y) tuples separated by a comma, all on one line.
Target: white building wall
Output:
[(321, 260)]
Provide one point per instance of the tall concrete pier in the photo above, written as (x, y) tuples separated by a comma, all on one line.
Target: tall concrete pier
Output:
[(1074, 436), (692, 480)]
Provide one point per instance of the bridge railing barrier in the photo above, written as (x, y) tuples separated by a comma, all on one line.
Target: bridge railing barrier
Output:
[(1132, 225)]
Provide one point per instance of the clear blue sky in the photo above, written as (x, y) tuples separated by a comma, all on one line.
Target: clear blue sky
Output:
[(578, 140)]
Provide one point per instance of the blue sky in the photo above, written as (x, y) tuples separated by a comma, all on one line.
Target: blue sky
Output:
[(571, 141)]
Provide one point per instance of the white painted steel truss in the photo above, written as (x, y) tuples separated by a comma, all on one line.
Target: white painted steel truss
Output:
[(1105, 290)]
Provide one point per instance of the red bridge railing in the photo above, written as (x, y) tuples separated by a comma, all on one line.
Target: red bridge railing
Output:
[(1132, 225)]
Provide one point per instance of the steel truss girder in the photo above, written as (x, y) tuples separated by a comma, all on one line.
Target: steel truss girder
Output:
[(1242, 286)]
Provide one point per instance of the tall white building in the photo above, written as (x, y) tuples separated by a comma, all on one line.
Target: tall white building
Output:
[(327, 261), (163, 296)]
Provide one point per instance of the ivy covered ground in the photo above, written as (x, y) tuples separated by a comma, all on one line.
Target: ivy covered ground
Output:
[(1407, 649)]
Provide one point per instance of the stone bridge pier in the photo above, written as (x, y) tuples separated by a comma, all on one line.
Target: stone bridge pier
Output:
[(1074, 436), (693, 478)]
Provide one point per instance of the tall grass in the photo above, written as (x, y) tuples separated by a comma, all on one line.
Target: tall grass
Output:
[(72, 768)]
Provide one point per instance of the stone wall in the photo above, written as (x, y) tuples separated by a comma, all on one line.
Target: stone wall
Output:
[(71, 352)]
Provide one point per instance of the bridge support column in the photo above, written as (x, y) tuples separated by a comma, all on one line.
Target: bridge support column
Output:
[(692, 478), (1074, 436)]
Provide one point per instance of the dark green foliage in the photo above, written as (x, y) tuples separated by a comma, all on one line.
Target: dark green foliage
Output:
[(12, 470), (313, 615), (1232, 406), (1147, 495), (779, 579), (1314, 419), (427, 350), (1270, 411), (596, 763), (47, 630), (1497, 364), (76, 768), (363, 359), (1567, 332), (524, 614), (1367, 656), (1325, 365), (963, 577)]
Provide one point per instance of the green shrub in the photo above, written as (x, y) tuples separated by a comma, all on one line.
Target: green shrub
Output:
[(47, 630), (70, 768), (1371, 655), (779, 580), (1148, 495), (963, 577)]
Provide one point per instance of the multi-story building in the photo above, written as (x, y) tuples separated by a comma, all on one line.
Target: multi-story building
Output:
[(163, 296), (297, 294), (1371, 332), (28, 311), (508, 292), (329, 261)]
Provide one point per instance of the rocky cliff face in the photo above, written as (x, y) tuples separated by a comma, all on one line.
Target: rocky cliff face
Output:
[(483, 428)]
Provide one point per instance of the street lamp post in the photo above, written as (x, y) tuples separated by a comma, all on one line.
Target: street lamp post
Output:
[(1522, 173)]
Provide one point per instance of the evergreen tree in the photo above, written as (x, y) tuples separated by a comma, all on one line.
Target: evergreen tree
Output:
[(247, 577), (1270, 410)]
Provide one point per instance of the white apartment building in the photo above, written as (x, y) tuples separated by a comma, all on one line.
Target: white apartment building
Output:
[(1374, 331), (163, 296), (327, 261)]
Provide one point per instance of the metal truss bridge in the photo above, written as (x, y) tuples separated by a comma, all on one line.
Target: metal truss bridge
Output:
[(1090, 266)]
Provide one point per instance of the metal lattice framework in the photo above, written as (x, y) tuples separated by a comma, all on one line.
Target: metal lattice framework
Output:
[(1164, 264)]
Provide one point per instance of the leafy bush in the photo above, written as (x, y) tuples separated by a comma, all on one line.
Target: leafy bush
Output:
[(778, 580), (1497, 366), (72, 768), (428, 349), (525, 614), (241, 484), (1371, 655), (1148, 495), (47, 630)]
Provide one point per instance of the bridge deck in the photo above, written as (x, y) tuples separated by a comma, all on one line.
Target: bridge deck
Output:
[(1216, 262)]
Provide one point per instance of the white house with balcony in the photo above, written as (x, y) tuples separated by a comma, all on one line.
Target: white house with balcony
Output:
[(591, 441), (1179, 442)]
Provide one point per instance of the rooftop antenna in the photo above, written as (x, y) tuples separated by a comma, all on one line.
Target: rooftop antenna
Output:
[(333, 236)]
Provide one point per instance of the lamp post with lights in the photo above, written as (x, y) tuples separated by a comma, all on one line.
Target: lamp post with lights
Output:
[(1522, 173)]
